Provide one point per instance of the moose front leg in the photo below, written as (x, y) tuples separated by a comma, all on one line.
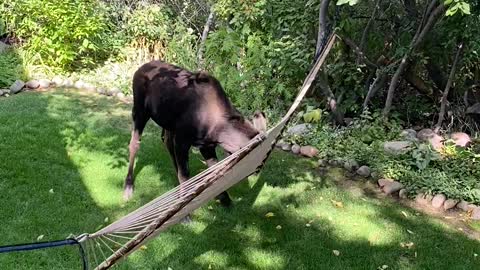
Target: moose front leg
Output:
[(181, 148), (210, 156)]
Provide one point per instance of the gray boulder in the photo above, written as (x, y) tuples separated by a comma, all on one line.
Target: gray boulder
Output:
[(17, 86), (351, 165), (44, 83), (408, 134), (300, 129), (427, 135), (364, 171), (449, 204), (392, 187), (397, 147), (296, 149), (402, 193), (32, 84)]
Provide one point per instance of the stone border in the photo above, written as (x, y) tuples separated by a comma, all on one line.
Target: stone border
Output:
[(57, 82)]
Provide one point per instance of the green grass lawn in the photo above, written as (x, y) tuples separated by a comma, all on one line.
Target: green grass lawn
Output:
[(63, 159)]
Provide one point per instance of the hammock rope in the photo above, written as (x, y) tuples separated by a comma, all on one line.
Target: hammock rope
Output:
[(119, 239)]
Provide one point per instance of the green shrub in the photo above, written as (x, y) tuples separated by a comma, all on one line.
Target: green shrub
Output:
[(11, 68), (64, 33)]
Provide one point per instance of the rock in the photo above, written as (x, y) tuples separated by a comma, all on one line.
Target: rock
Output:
[(308, 151), (1, 92), (113, 92), (44, 83), (68, 83), (58, 82), (463, 205), (286, 147), (364, 171), (420, 199), (296, 149), (476, 213), (350, 165), (408, 134), (384, 181), (300, 129), (402, 193), (3, 47), (424, 134), (101, 91), (17, 86), (461, 139), (120, 95), (32, 84), (322, 163), (347, 120), (89, 87), (79, 84), (397, 147), (449, 204), (6, 91), (438, 200), (279, 144), (427, 135), (392, 187)]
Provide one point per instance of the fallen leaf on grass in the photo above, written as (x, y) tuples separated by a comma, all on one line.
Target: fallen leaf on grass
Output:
[(269, 214), (51, 191), (407, 245), (308, 225), (336, 252), (279, 227), (410, 232), (40, 237), (210, 207), (383, 267), (143, 247), (404, 213), (337, 204), (105, 220)]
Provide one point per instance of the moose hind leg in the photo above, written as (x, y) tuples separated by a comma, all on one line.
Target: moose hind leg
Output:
[(139, 122), (210, 157)]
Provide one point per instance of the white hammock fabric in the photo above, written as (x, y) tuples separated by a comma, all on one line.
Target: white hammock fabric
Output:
[(108, 245)]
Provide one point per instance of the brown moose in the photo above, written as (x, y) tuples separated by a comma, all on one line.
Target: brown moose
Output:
[(193, 110)]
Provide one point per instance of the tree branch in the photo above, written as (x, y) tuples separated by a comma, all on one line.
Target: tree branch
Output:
[(359, 52), (416, 42), (369, 25), (441, 115), (206, 29)]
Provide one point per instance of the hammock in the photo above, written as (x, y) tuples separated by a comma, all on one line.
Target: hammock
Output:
[(116, 241)]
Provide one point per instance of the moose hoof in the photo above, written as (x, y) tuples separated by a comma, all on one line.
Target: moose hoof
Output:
[(127, 193), (186, 220)]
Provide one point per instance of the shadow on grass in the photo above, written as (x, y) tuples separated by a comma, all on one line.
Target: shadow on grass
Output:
[(243, 238), (42, 192), (77, 145)]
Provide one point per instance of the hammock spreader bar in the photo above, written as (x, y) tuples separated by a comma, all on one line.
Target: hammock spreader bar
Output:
[(46, 244)]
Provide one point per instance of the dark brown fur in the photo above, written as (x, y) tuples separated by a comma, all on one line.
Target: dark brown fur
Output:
[(193, 110)]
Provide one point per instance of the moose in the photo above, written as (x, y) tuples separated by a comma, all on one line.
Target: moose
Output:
[(193, 111)]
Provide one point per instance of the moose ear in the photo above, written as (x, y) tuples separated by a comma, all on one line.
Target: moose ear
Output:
[(202, 77)]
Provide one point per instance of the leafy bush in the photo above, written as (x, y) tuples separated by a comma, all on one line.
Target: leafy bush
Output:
[(64, 34), (10, 68)]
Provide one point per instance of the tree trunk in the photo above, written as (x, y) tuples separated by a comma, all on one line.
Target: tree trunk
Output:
[(441, 115), (426, 25), (322, 26), (201, 46)]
